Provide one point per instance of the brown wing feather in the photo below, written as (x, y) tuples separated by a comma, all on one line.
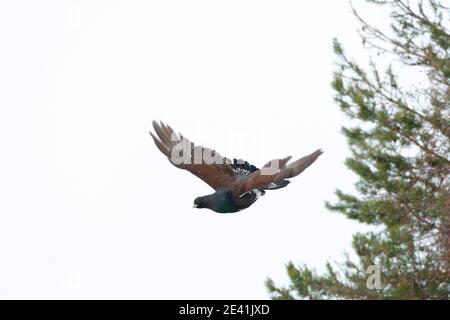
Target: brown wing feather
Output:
[(218, 174), (272, 172)]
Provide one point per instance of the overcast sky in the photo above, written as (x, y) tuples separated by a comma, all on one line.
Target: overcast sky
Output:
[(91, 209)]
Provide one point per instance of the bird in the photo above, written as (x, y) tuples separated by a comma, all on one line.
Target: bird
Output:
[(237, 184)]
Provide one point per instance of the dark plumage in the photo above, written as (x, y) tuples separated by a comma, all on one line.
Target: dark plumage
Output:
[(237, 183)]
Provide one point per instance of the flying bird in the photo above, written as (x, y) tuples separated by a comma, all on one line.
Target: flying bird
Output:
[(236, 183)]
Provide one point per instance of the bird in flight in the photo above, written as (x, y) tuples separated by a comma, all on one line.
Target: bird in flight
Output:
[(237, 183)]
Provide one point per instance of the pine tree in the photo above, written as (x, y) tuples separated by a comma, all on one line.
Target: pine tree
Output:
[(399, 142)]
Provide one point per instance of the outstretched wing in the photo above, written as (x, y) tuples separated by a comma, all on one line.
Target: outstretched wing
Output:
[(274, 171), (205, 163)]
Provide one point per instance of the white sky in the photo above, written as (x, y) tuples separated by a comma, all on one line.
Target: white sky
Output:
[(91, 209)]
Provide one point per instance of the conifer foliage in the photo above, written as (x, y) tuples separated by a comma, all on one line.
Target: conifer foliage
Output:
[(399, 141)]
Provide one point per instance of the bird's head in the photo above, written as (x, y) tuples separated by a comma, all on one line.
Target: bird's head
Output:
[(201, 202)]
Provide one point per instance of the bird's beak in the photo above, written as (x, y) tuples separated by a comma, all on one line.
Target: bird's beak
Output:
[(194, 206)]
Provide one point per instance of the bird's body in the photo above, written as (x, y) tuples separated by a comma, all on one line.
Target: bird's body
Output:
[(224, 201), (237, 183)]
